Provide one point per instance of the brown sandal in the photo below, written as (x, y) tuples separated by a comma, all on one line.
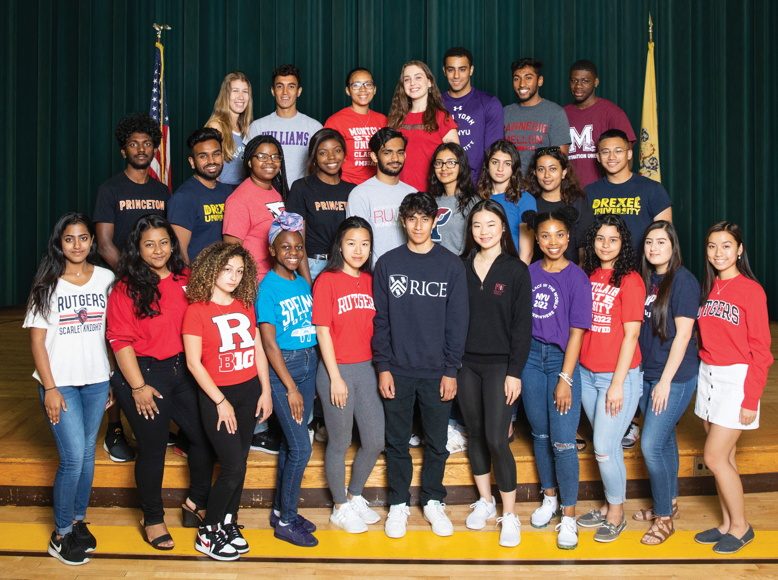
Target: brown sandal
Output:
[(661, 529), (647, 514)]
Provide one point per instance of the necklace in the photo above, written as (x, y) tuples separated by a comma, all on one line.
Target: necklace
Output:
[(720, 287)]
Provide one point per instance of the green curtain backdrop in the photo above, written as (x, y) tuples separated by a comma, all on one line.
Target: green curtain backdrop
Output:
[(72, 68)]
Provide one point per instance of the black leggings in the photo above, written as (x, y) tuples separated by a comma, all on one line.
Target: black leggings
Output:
[(481, 396), (172, 379), (232, 451)]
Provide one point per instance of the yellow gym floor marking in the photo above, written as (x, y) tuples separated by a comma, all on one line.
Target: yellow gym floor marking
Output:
[(418, 545)]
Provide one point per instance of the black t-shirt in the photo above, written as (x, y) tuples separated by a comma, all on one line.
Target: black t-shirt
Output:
[(121, 201), (323, 207), (578, 235)]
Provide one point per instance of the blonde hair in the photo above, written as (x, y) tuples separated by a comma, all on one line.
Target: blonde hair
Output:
[(220, 118)]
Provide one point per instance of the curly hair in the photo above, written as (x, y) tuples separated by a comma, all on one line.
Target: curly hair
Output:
[(516, 184), (465, 189), (137, 123), (143, 283), (220, 117), (626, 261), (401, 103), (570, 189), (209, 264)]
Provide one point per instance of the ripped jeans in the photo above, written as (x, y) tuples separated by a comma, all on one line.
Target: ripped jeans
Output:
[(553, 434), (609, 430)]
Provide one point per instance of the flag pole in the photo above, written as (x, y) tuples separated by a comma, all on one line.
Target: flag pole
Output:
[(160, 167), (162, 27), (650, 28), (649, 132)]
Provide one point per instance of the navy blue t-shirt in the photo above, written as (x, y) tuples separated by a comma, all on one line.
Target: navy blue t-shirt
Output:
[(684, 301)]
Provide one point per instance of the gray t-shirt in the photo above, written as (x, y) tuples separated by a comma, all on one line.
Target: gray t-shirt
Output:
[(379, 203), (293, 134), (529, 128), (450, 229)]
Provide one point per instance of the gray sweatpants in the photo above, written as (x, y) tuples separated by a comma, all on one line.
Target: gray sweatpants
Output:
[(363, 405)]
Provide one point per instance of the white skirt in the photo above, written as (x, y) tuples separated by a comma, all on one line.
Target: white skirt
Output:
[(720, 395)]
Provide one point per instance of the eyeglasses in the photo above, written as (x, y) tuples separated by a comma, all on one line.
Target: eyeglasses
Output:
[(356, 85), (450, 163), (546, 151), (618, 152), (275, 157)]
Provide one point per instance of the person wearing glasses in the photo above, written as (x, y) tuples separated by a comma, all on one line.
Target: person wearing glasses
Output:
[(358, 123)]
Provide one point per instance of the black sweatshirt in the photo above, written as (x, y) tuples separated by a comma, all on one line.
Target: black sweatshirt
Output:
[(500, 314)]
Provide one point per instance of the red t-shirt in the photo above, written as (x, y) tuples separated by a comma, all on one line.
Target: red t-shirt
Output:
[(345, 305), (735, 329), (228, 334), (611, 308), (248, 213), (421, 146), (357, 129), (156, 336)]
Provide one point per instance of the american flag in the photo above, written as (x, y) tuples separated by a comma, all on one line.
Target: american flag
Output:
[(160, 166)]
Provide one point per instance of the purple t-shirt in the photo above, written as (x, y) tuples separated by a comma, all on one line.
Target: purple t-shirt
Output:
[(586, 126), (479, 124), (560, 301)]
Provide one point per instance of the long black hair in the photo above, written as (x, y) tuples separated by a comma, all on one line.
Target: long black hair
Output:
[(335, 260), (142, 282), (52, 265), (322, 135), (465, 189), (659, 311), (742, 262), (625, 263), (279, 181), (506, 241)]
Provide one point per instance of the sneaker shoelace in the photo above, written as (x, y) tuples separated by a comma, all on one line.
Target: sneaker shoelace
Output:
[(232, 532)]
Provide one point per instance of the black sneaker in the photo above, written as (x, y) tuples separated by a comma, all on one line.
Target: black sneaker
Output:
[(67, 550), (116, 446), (234, 536), (266, 442), (212, 542), (84, 537)]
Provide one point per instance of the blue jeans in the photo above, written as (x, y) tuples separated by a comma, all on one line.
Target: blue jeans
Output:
[(658, 442), (316, 267), (76, 437), (295, 448), (609, 430), (553, 434)]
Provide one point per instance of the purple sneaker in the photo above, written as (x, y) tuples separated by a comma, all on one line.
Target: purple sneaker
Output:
[(295, 533), (308, 525)]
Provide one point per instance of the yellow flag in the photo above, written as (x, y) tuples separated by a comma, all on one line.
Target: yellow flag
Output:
[(649, 133)]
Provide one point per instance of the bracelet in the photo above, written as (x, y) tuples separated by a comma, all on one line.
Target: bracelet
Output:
[(291, 392), (220, 402), (51, 389), (566, 378), (143, 386)]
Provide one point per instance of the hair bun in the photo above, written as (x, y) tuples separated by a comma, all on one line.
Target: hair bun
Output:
[(528, 217), (569, 212)]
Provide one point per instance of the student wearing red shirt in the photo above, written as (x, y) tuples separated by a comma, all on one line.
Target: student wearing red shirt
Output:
[(735, 357), (611, 379), (225, 356), (343, 312), (417, 111), (145, 314)]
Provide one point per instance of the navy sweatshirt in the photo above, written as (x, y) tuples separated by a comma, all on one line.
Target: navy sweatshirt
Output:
[(500, 314), (421, 313)]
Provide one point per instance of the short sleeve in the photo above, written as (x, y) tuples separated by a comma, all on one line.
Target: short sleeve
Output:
[(559, 132), (105, 208), (633, 298), (659, 199), (123, 329), (446, 122), (527, 202), (323, 298), (35, 321), (295, 202), (193, 321), (685, 300), (181, 212), (237, 220), (265, 305), (581, 302)]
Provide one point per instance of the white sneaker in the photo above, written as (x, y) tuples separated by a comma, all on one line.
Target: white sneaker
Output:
[(414, 441), (435, 513), (360, 506), (631, 436), (567, 537), (347, 519), (456, 441), (510, 530), (547, 510), (482, 511), (396, 523)]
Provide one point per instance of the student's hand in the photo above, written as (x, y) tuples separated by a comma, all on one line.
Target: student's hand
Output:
[(563, 397), (227, 417), (338, 392), (659, 396), (512, 389), (264, 407), (109, 402), (747, 416), (145, 403), (296, 404), (386, 384), (614, 400), (448, 388), (54, 402)]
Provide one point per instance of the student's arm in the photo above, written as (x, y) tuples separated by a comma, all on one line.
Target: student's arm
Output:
[(382, 336), (232, 240), (521, 333), (526, 244), (53, 400), (193, 347), (105, 247), (683, 334), (276, 360), (666, 214), (493, 127), (338, 388), (457, 321), (184, 237), (758, 337), (451, 137), (614, 398), (265, 402), (563, 393), (564, 149), (142, 393)]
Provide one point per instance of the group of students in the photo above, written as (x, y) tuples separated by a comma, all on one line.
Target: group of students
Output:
[(219, 334)]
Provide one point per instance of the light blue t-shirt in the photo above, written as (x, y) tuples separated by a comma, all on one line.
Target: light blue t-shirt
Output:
[(287, 305), (514, 211), (233, 171)]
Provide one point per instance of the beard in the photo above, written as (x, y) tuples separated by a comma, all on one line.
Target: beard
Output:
[(386, 171), (140, 164), (207, 176)]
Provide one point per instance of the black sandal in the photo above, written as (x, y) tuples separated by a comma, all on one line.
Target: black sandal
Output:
[(191, 518), (155, 543)]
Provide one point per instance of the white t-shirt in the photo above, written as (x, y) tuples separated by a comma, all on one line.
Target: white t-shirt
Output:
[(75, 331), (379, 203)]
